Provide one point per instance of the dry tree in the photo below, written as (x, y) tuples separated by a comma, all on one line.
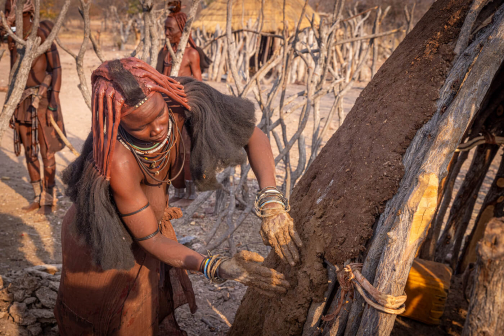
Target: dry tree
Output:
[(122, 25), (79, 58)]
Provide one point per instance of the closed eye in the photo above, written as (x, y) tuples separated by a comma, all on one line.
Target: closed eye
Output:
[(140, 128), (157, 117)]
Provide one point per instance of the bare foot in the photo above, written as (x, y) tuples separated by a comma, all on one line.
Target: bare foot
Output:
[(46, 210), (31, 207)]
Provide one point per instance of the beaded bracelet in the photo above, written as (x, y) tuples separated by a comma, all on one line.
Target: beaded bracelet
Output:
[(210, 268), (52, 108), (270, 195)]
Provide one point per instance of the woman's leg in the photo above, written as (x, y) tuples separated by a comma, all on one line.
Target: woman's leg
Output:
[(33, 165)]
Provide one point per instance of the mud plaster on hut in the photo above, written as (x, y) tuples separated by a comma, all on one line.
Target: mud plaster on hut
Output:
[(344, 191)]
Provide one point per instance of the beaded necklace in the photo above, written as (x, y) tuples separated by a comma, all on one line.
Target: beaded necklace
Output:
[(148, 158)]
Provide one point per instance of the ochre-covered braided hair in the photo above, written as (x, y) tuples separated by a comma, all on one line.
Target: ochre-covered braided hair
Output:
[(113, 99)]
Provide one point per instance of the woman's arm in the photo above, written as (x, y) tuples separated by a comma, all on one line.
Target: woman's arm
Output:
[(261, 159), (277, 230), (129, 197), (55, 64), (194, 64)]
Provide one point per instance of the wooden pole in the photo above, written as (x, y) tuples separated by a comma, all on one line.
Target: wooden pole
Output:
[(486, 309), (429, 245), (409, 213), (463, 205), (61, 135), (493, 206)]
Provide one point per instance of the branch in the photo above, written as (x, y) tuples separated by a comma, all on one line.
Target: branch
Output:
[(464, 147), (367, 37), (170, 49), (231, 48), (19, 19), (298, 133), (79, 58), (231, 228), (185, 37), (137, 49), (155, 40), (97, 48), (361, 13), (272, 62), (203, 196), (465, 32), (65, 48), (246, 31), (54, 32), (9, 30)]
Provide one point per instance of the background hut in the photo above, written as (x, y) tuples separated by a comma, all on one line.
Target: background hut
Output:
[(247, 16), (245, 10)]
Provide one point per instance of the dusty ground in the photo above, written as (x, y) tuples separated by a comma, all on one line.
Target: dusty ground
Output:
[(31, 239)]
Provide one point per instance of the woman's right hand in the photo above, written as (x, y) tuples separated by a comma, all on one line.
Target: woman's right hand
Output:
[(245, 267)]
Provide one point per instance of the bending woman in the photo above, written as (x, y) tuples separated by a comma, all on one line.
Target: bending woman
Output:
[(123, 270)]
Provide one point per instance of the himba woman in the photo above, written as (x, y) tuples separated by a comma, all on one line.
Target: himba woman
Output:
[(123, 270), (39, 102)]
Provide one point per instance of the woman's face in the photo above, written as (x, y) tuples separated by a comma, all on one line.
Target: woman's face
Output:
[(172, 30), (149, 122), (7, 12)]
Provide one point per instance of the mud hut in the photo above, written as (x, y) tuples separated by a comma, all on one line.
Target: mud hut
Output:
[(247, 15), (372, 193), (245, 10)]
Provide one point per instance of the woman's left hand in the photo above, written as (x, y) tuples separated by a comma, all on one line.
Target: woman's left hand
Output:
[(278, 232)]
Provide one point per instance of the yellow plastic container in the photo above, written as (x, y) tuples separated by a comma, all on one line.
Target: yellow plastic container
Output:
[(427, 289)]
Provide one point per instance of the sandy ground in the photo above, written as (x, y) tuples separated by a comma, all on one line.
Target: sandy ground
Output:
[(31, 239)]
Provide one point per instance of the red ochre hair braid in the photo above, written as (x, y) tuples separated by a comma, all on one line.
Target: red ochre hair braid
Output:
[(109, 104)]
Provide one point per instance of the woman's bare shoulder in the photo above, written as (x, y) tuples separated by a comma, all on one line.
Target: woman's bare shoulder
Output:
[(123, 167)]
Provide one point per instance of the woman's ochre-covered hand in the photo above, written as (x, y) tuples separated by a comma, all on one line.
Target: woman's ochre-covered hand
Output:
[(245, 267), (278, 231)]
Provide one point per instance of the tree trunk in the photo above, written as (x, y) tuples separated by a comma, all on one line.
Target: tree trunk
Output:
[(486, 309), (493, 206), (338, 200)]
